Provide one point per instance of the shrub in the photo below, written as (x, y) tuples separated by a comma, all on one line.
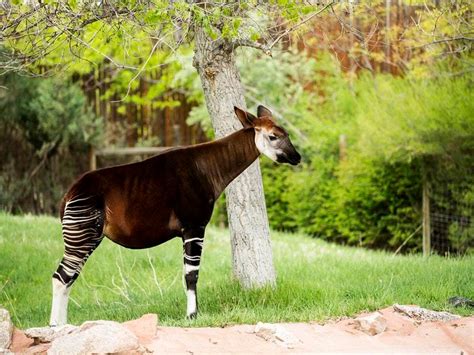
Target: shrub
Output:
[(48, 129)]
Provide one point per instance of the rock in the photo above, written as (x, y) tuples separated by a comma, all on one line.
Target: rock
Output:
[(48, 334), (6, 329), (144, 328), (20, 341), (372, 324), (265, 331), (277, 334), (36, 349), (423, 314), (97, 337), (458, 301)]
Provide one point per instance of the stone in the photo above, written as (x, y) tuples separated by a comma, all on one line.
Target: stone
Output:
[(6, 329), (48, 334), (458, 301), (265, 331), (20, 341), (277, 334), (371, 324), (97, 337), (36, 349), (423, 314), (144, 328)]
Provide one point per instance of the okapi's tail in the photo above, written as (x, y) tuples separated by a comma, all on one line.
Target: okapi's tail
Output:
[(84, 187), (61, 208)]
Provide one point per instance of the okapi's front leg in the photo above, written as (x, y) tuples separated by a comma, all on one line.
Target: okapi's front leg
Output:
[(192, 245)]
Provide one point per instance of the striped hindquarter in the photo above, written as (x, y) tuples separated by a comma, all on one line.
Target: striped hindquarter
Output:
[(82, 226)]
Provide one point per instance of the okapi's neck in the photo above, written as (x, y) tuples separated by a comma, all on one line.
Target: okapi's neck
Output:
[(223, 160)]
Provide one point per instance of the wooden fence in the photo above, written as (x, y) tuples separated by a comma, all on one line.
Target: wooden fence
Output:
[(129, 124)]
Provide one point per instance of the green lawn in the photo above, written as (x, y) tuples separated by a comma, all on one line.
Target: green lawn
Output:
[(316, 280)]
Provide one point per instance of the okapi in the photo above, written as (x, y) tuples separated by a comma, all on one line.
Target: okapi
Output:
[(172, 194)]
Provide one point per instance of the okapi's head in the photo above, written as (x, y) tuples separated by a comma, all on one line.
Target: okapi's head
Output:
[(270, 139)]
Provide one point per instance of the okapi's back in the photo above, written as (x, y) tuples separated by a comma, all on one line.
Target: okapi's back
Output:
[(139, 200), (99, 182)]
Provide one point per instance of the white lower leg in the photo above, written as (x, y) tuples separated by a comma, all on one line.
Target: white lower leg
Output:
[(191, 308), (59, 304), (192, 304)]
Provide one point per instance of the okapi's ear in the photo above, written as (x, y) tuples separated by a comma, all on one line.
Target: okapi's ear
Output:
[(246, 118), (262, 111)]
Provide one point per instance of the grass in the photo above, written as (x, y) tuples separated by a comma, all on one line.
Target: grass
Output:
[(316, 280)]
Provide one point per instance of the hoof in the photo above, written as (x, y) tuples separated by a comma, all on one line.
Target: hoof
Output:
[(191, 316)]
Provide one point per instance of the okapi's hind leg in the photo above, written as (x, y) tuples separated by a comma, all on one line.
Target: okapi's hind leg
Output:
[(192, 245), (82, 227)]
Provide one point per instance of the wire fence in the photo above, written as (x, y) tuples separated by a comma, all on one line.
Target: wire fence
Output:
[(452, 218)]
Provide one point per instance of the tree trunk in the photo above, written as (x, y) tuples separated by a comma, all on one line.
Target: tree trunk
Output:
[(388, 25), (250, 235)]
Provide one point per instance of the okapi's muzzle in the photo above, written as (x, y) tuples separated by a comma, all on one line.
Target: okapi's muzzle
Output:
[(294, 159), (290, 156)]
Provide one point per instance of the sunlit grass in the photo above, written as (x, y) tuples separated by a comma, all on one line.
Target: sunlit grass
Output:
[(316, 280)]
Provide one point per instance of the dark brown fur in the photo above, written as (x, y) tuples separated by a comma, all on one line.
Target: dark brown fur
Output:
[(149, 202)]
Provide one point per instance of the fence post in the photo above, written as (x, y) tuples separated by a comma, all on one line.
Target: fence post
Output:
[(342, 147), (426, 220), (92, 159)]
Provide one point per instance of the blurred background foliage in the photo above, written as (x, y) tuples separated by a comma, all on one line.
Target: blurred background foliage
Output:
[(377, 103), (46, 132), (396, 131)]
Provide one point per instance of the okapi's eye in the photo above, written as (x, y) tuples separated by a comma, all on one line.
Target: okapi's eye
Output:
[(273, 138)]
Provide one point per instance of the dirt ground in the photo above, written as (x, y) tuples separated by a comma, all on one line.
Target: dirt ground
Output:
[(402, 335)]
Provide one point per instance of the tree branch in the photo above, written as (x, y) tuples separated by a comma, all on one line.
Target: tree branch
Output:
[(301, 23), (104, 16), (267, 48), (252, 44), (445, 40)]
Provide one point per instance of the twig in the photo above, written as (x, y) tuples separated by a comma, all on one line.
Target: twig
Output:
[(75, 302), (121, 290), (155, 279), (139, 286), (45, 157), (301, 23), (103, 17), (444, 40), (18, 20), (406, 240), (87, 45), (139, 72), (267, 48)]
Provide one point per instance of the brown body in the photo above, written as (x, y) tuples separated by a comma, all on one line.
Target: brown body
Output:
[(149, 202)]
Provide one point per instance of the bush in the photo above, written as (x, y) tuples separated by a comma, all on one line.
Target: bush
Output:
[(48, 130), (400, 132)]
